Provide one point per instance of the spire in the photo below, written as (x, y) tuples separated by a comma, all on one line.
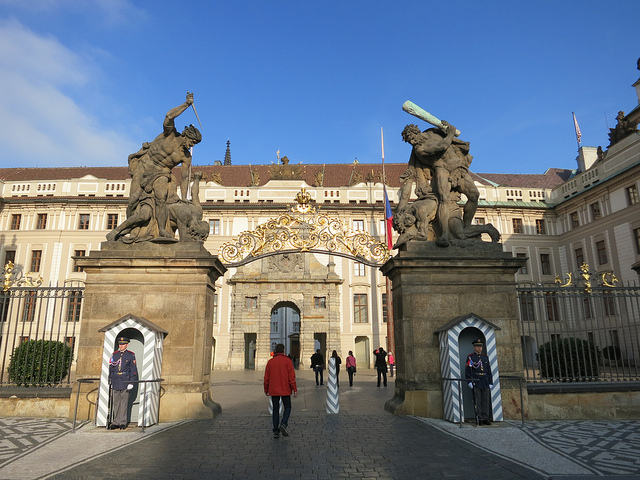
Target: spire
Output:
[(227, 155)]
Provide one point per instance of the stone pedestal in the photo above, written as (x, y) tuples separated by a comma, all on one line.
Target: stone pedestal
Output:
[(171, 285), (432, 286)]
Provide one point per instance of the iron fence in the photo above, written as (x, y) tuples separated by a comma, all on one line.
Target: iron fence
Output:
[(38, 331), (577, 334)]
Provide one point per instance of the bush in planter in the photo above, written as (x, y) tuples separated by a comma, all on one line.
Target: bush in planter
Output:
[(612, 352), (569, 359), (39, 363)]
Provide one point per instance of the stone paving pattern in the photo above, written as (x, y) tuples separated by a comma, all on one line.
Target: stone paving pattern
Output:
[(362, 442)]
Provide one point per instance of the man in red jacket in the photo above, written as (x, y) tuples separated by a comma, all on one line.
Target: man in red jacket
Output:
[(279, 382)]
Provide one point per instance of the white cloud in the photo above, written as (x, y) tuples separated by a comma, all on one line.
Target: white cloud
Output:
[(42, 124)]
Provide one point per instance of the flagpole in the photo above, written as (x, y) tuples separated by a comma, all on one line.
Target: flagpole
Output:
[(391, 344)]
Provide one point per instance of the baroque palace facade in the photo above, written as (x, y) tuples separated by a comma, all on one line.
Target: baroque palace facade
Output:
[(558, 220)]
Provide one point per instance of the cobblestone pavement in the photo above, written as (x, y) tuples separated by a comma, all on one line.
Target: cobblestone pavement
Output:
[(361, 442)]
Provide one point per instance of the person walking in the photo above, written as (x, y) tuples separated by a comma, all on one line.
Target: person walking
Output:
[(279, 383), (122, 373), (317, 363), (351, 367), (392, 362), (478, 368), (338, 362), (381, 364)]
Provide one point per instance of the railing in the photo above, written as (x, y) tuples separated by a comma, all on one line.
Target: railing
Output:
[(38, 331), (573, 334), (143, 396)]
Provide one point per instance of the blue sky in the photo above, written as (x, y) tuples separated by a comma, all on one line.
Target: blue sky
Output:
[(85, 82)]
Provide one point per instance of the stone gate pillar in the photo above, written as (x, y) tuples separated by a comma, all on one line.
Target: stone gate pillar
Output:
[(171, 285), (431, 286)]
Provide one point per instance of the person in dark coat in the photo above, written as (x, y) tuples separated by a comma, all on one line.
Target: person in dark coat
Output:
[(317, 363), (338, 362), (477, 368), (381, 364), (122, 372), (279, 383)]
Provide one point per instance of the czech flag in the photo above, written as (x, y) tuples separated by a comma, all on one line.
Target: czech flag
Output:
[(388, 219)]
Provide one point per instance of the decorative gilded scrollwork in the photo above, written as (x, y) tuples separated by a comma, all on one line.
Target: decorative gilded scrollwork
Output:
[(29, 279), (303, 229), (606, 279)]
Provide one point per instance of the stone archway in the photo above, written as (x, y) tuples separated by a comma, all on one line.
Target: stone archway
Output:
[(285, 329)]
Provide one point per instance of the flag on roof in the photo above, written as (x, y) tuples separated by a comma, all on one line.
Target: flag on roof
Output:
[(388, 220), (575, 124)]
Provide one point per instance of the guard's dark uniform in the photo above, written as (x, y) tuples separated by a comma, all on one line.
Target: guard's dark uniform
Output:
[(478, 368), (122, 371)]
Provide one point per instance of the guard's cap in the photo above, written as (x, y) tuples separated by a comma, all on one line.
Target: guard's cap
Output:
[(122, 340), (478, 343)]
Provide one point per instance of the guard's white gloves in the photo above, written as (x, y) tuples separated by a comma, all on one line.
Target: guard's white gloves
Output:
[(130, 386), (470, 385)]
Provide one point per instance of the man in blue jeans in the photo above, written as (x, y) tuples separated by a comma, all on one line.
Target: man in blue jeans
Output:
[(279, 382)]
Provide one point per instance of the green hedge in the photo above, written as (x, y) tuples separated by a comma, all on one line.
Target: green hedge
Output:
[(40, 363), (569, 359)]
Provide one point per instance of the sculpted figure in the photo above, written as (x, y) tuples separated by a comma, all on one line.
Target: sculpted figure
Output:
[(185, 216), (150, 170), (441, 158), (414, 220)]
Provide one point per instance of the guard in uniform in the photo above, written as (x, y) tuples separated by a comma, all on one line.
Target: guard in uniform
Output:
[(122, 371), (478, 368)]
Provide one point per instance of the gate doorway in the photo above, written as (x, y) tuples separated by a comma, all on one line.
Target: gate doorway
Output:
[(250, 351), (285, 329), (363, 347)]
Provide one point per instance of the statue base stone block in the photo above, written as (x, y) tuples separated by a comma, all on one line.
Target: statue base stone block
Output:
[(171, 285), (431, 286)]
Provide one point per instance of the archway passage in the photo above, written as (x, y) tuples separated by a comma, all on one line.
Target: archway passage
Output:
[(285, 329)]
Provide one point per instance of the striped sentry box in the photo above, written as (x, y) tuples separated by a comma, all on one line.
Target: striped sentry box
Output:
[(451, 367), (149, 368)]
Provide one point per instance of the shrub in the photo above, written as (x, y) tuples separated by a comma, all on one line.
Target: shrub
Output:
[(612, 352), (39, 363), (569, 359)]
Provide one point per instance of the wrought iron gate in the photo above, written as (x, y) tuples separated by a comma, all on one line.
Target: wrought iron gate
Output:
[(580, 333)]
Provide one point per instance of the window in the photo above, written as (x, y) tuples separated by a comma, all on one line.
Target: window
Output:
[(608, 302), (214, 226), (112, 221), (595, 211), (75, 303), (78, 253), (15, 221), (480, 221), (360, 308), (601, 249), (540, 227), (358, 225), (586, 300), (9, 256), (83, 224), (553, 313), (70, 342), (385, 307), (517, 225), (358, 269), (5, 299), (575, 221), (29, 308), (523, 270), (42, 221), (215, 308), (36, 259), (251, 303), (579, 257), (636, 235), (320, 302), (545, 263), (383, 228), (527, 311), (632, 195)]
